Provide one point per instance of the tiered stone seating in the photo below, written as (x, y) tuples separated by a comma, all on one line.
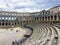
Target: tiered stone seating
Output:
[(37, 36), (52, 39), (34, 36), (44, 34), (58, 32)]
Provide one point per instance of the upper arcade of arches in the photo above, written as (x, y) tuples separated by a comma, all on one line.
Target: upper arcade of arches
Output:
[(55, 9), (43, 12)]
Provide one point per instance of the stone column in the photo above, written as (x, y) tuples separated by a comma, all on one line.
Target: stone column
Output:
[(4, 23), (11, 23), (57, 18), (53, 17), (16, 23), (36, 18), (19, 23), (44, 18), (47, 18), (1, 23), (41, 18), (7, 23), (50, 18), (22, 24)]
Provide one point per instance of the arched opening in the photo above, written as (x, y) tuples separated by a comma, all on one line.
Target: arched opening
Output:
[(3, 24), (55, 17), (59, 17), (6, 23), (43, 18), (18, 23), (9, 23), (37, 18), (40, 18), (12, 23), (2, 20), (15, 23), (48, 18)]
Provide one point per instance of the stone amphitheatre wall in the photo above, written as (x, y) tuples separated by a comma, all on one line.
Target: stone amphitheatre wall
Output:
[(20, 18)]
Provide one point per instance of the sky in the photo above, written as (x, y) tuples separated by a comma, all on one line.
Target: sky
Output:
[(27, 5)]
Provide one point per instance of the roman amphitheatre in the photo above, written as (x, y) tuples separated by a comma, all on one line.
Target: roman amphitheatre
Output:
[(30, 28)]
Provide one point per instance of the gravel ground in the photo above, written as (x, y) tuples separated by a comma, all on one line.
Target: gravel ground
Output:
[(7, 36)]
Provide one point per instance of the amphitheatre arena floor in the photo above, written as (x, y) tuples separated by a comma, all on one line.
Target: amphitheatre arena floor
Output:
[(8, 35)]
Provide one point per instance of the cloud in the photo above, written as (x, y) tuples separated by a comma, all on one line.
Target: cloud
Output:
[(2, 4), (27, 5)]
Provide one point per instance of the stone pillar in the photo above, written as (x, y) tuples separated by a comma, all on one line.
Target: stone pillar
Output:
[(14, 23), (1, 23), (41, 18), (11, 23), (19, 23), (4, 23), (47, 18), (53, 17), (50, 18), (44, 18), (7, 23), (22, 24), (57, 18), (36, 18)]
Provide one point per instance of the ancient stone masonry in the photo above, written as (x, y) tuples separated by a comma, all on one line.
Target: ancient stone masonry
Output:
[(17, 18)]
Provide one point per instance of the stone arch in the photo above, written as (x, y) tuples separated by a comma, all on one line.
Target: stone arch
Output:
[(6, 23), (37, 18), (18, 23), (43, 18), (9, 23), (2, 23), (40, 18), (15, 23), (2, 20), (12, 23), (55, 17), (59, 17), (48, 18)]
